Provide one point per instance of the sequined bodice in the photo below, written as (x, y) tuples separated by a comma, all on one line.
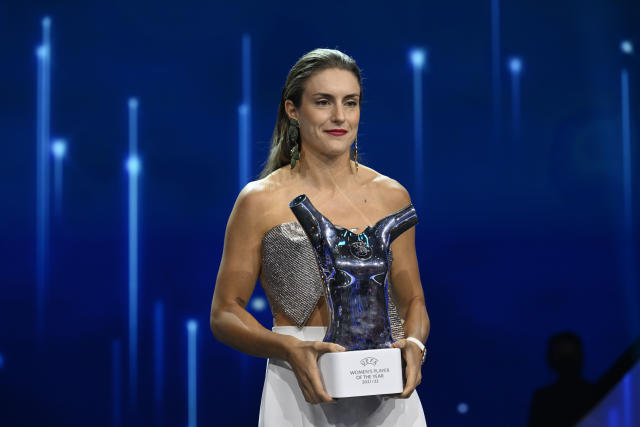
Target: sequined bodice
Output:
[(291, 278)]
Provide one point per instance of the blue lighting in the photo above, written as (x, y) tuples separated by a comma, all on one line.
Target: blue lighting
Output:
[(43, 54), (258, 304), (59, 148), (626, 397), (192, 329), (626, 47), (496, 82), (192, 326), (116, 377), (158, 357), (613, 418), (133, 125), (133, 168), (629, 256), (1, 362), (246, 68), (418, 57), (133, 165), (244, 116), (59, 151), (626, 150), (463, 408), (243, 146), (515, 65)]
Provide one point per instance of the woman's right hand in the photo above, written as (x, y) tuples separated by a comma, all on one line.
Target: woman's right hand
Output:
[(303, 358)]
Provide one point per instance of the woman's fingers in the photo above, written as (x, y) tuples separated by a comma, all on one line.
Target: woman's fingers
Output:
[(318, 388), (304, 386), (312, 388), (327, 347), (314, 373), (412, 372), (307, 371), (411, 383)]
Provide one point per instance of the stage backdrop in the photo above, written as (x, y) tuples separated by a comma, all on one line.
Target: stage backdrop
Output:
[(128, 128)]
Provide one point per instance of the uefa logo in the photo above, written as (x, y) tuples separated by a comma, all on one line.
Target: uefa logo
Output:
[(369, 361)]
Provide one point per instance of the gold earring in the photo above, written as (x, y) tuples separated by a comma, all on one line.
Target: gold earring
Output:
[(293, 134), (356, 154)]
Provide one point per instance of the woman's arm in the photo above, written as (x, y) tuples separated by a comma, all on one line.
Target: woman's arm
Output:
[(230, 322), (407, 288), (407, 291), (239, 269)]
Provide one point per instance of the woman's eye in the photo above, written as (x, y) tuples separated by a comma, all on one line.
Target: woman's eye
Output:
[(322, 102), (352, 103)]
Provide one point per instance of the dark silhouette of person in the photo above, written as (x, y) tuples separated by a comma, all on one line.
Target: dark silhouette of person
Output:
[(562, 403)]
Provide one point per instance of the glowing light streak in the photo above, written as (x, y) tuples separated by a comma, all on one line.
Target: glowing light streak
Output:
[(244, 116), (59, 151), (158, 358), (192, 397), (133, 166), (496, 82), (418, 59), (515, 67), (43, 54)]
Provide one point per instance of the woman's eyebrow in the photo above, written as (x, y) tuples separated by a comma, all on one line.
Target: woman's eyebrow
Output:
[(328, 95)]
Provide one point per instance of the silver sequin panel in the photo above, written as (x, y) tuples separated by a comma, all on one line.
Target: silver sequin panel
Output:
[(291, 279)]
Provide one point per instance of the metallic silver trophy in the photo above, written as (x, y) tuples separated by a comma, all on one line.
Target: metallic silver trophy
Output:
[(354, 268)]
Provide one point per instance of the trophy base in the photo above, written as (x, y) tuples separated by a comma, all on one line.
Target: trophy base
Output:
[(362, 372)]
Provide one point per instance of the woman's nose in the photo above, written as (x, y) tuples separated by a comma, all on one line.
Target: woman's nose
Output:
[(338, 114)]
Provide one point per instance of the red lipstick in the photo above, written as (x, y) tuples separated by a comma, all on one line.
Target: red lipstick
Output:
[(336, 132)]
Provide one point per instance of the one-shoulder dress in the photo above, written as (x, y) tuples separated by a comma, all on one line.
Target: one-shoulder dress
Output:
[(293, 287)]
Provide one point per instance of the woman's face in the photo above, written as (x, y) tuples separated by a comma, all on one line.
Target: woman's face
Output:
[(329, 111)]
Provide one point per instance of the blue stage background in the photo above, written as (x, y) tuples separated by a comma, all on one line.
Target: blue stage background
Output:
[(521, 235)]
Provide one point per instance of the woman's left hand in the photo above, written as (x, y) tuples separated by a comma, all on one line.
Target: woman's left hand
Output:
[(412, 357)]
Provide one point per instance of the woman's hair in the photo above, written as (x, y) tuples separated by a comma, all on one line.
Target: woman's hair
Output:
[(312, 62)]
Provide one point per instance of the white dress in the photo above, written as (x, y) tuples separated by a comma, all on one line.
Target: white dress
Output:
[(283, 403)]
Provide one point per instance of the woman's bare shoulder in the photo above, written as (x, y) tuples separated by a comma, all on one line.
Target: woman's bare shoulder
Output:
[(255, 202), (393, 194)]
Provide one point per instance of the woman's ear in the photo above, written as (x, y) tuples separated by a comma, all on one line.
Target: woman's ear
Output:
[(290, 109)]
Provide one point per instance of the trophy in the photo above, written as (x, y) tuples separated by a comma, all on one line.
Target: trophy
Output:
[(354, 268)]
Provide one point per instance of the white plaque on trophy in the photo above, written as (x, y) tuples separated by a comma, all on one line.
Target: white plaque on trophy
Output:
[(361, 372)]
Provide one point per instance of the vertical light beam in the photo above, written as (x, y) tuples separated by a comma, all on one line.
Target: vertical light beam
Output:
[(418, 59), (515, 67), (43, 54), (628, 249), (626, 151), (158, 359), (192, 330), (627, 405), (244, 116), (496, 83), (59, 151), (133, 168), (246, 69), (116, 378), (243, 146), (613, 418)]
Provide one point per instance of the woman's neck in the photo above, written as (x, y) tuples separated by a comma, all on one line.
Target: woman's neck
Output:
[(325, 173)]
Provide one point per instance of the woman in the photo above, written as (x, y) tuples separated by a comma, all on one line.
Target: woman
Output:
[(310, 154)]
